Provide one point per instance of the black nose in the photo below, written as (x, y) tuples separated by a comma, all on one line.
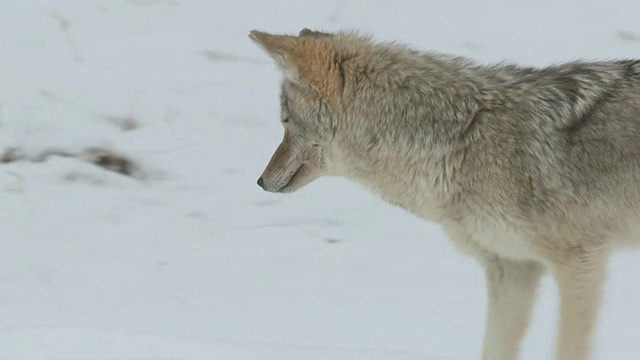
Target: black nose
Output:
[(261, 182)]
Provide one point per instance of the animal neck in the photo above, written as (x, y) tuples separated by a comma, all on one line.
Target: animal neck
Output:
[(407, 175)]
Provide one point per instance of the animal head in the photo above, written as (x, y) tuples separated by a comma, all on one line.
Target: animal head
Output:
[(342, 97), (312, 88)]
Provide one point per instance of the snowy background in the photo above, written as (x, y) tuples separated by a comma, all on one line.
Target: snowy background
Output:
[(187, 258)]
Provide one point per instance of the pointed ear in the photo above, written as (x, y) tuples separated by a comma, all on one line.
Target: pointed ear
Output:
[(309, 32), (306, 60), (279, 47)]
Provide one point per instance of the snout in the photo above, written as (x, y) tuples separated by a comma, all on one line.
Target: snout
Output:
[(294, 164), (282, 166), (282, 181)]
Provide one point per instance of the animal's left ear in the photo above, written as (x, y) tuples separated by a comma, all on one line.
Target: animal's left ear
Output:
[(279, 47), (306, 60)]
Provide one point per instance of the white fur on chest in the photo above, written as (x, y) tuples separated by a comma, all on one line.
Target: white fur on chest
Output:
[(500, 239), (506, 245), (481, 227)]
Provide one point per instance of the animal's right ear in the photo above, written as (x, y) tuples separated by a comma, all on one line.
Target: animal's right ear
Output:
[(279, 47), (309, 32)]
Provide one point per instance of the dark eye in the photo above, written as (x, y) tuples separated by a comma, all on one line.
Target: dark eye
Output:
[(285, 120)]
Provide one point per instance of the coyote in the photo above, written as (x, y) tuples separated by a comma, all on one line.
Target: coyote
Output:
[(526, 169)]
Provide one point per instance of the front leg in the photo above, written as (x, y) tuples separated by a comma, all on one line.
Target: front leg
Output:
[(580, 275), (512, 288)]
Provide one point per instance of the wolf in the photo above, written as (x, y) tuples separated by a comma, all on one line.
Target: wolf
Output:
[(527, 169)]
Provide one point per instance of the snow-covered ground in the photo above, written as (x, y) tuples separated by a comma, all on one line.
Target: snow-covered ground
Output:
[(189, 259)]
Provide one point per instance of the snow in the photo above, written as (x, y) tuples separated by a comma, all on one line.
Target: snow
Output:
[(190, 259)]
